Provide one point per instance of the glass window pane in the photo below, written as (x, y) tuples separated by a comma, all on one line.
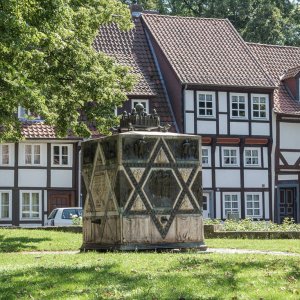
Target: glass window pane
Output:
[(56, 150), (209, 98), (249, 212), (35, 198), (64, 160), (25, 198), (202, 97), (56, 159)]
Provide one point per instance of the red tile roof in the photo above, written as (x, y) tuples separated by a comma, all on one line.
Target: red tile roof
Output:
[(290, 73), (277, 60), (40, 130), (206, 51), (131, 48)]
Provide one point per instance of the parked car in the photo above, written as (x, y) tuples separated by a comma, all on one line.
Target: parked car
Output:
[(63, 216)]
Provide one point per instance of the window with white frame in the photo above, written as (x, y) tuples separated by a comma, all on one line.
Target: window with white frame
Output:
[(26, 114), (4, 155), (5, 205), (30, 205), (253, 205), (206, 104), (239, 107), (32, 154), (230, 156), (145, 103), (252, 157), (61, 155), (231, 204), (260, 106), (205, 156)]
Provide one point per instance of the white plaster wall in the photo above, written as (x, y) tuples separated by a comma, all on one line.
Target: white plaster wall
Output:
[(222, 101), (267, 205), (206, 178), (7, 178), (228, 178), (206, 127), (260, 129), (45, 202), (256, 178), (32, 178), (189, 123), (288, 177), (43, 154), (223, 124), (218, 205), (265, 156), (289, 135), (189, 100), (291, 157), (217, 156), (239, 128), (61, 178)]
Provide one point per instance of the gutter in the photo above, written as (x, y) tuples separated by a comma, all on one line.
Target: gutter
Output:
[(161, 79)]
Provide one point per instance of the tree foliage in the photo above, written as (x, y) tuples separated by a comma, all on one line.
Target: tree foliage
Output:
[(263, 21), (49, 66)]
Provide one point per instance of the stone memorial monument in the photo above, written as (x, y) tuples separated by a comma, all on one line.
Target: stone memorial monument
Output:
[(142, 189)]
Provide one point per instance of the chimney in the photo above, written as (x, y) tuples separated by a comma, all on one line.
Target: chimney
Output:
[(136, 10)]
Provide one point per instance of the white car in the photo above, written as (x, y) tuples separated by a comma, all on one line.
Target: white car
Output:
[(63, 216)]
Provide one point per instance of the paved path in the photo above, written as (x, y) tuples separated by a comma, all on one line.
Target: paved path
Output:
[(246, 251), (209, 250)]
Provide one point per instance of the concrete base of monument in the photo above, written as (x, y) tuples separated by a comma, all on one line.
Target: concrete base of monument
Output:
[(198, 246)]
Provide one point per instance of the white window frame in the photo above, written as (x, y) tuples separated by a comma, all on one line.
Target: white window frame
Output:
[(10, 155), (260, 205), (258, 157), (266, 96), (238, 194), (21, 114), (206, 93), (70, 155), (246, 106), (208, 164), (145, 102), (237, 149), (9, 203), (30, 201), (32, 155)]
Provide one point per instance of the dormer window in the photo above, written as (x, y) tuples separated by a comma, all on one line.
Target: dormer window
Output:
[(26, 114), (145, 103)]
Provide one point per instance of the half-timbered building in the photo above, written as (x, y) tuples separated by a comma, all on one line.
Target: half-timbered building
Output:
[(36, 175), (219, 90), (283, 65)]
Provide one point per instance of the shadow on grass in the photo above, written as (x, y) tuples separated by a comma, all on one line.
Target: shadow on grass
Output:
[(186, 278), (17, 244)]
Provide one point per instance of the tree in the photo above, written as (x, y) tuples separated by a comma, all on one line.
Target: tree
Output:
[(49, 66)]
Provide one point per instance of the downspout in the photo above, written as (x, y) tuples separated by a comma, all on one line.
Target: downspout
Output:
[(161, 79), (183, 106), (79, 166)]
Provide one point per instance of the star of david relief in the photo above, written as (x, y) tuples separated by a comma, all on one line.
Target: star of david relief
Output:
[(100, 197), (162, 188)]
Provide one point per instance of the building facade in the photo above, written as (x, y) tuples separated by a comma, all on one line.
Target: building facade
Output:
[(37, 175)]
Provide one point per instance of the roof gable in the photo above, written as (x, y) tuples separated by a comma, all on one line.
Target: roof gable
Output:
[(277, 61), (206, 51)]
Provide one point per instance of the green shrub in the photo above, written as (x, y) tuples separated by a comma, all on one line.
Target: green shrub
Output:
[(250, 225)]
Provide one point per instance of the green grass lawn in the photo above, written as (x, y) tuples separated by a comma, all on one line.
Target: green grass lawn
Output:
[(148, 276), (143, 275), (16, 240)]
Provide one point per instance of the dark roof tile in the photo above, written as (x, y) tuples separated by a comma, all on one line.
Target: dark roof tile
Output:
[(206, 51)]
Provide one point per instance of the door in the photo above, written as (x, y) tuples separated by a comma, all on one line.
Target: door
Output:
[(206, 212), (57, 199), (287, 203)]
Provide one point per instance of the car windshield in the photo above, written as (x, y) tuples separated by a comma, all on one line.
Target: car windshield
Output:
[(68, 213), (53, 214)]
